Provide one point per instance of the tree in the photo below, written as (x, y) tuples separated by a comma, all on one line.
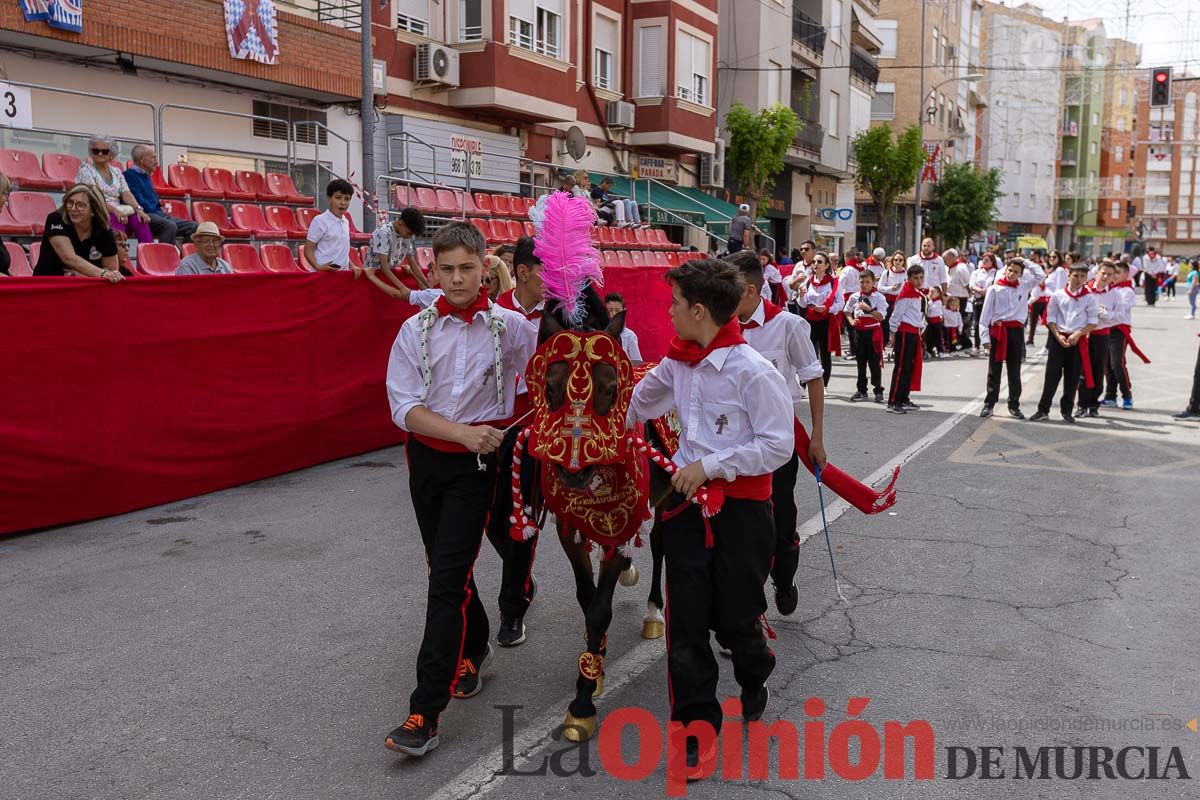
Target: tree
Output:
[(887, 166), (757, 145), (964, 202)]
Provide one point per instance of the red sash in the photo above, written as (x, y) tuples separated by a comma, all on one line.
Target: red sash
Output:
[(845, 485), (919, 363), (1000, 338), (446, 446), (1088, 379), (744, 487), (935, 320), (871, 324), (1128, 331)]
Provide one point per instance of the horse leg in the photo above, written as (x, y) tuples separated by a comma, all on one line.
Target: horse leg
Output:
[(653, 624), (579, 554), (580, 724)]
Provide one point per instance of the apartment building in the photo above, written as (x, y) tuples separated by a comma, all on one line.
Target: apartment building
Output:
[(1019, 127), (1167, 143), (945, 39), (627, 89), (819, 58), (1085, 66), (1113, 232)]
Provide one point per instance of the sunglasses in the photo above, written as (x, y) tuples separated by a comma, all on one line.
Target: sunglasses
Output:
[(819, 261), (100, 151)]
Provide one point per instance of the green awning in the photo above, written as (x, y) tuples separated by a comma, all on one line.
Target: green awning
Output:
[(666, 202)]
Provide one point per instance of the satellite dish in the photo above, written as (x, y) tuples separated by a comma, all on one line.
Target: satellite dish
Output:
[(576, 143)]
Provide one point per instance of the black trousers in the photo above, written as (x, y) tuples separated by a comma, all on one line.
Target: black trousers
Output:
[(783, 508), (718, 589), (1151, 285), (866, 357), (907, 345), (1035, 316), (517, 556), (168, 229), (1194, 400), (1012, 362), (1097, 356), (1116, 375), (818, 332), (935, 337), (973, 324), (1062, 364), (451, 498)]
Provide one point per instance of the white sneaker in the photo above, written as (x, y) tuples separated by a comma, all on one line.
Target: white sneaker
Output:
[(1190, 316), (1043, 353)]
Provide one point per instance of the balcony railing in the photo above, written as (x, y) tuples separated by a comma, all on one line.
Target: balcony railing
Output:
[(808, 32), (342, 13), (863, 65), (810, 137)]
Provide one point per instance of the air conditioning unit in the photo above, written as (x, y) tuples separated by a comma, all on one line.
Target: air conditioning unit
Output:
[(712, 167), (436, 65), (620, 115)]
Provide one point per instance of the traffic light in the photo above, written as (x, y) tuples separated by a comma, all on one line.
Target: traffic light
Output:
[(1160, 87)]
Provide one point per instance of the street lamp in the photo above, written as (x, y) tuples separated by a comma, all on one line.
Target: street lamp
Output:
[(972, 77)]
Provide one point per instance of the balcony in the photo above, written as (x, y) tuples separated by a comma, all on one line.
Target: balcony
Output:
[(342, 13), (1069, 160), (863, 66), (810, 138), (1065, 215), (808, 36), (1070, 128)]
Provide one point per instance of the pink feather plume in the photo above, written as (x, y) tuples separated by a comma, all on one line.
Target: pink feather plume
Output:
[(564, 246)]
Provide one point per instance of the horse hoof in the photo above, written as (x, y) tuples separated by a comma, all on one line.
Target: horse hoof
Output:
[(652, 629), (579, 729), (629, 577), (599, 690)]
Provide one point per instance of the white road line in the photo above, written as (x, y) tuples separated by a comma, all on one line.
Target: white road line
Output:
[(483, 777)]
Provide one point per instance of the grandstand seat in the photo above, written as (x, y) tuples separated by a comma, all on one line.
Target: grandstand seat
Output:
[(11, 226), (530, 230), (499, 229), (637, 257), (302, 262), (449, 202), (595, 233), (484, 227), (305, 217), (35, 252), (23, 169), (250, 217), (425, 258), (187, 249), (515, 229), (280, 183), (640, 238), (221, 180), (30, 208), (400, 196), (610, 258), (483, 202), (655, 258), (208, 211), (163, 188), (157, 259), (606, 236), (249, 181), (659, 236), (175, 208), (278, 258), (242, 257), (356, 236), (281, 218), (529, 202), (672, 259), (188, 178), (18, 264), (356, 259), (619, 239), (517, 208), (60, 166), (624, 259), (425, 199), (473, 209)]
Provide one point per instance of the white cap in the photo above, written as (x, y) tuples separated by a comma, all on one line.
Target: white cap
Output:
[(744, 208)]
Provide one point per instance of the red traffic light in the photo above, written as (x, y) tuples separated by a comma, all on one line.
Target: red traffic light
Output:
[(1161, 77), (1160, 88)]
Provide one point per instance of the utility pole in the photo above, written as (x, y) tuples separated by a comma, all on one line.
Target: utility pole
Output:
[(921, 124), (367, 111)]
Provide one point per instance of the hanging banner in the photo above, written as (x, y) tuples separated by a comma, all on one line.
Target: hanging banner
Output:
[(65, 15), (251, 30), (931, 172)]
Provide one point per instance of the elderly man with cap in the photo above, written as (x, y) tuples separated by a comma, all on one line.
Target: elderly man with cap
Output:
[(741, 230), (206, 260)]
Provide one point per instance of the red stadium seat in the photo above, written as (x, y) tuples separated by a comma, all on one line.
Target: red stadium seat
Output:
[(23, 169), (660, 237), (208, 211), (302, 261), (624, 259), (60, 166), (30, 208), (157, 259), (515, 230), (637, 257), (610, 258), (484, 227), (175, 208), (529, 202), (499, 229), (595, 233), (473, 209), (356, 236), (606, 236), (449, 202), (221, 180), (640, 238), (163, 188), (400, 196), (242, 257), (305, 217), (425, 258), (10, 226), (249, 181), (282, 219), (35, 252), (483, 202), (187, 249), (530, 230), (425, 200), (517, 209), (188, 178), (278, 258), (282, 184), (672, 259), (18, 264), (250, 217)]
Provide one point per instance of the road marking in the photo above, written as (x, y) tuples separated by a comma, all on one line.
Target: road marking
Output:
[(483, 777)]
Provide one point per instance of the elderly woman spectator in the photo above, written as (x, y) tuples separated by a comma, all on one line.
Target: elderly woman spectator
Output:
[(126, 216), (5, 260), (78, 238)]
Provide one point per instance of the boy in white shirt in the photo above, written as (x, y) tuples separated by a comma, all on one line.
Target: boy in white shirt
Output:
[(1071, 316), (629, 341), (907, 323), (865, 310), (327, 247), (1002, 329)]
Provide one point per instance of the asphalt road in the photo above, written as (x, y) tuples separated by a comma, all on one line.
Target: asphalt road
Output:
[(1034, 587)]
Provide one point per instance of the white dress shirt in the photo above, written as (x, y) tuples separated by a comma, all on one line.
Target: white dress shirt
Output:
[(772, 277), (463, 379), (890, 282), (629, 343), (423, 298), (1119, 303), (734, 410), (848, 281), (1055, 281), (331, 236), (876, 299), (936, 272), (934, 308), (1009, 303), (907, 309), (960, 278), (981, 279), (952, 320), (1071, 314), (815, 296), (786, 342)]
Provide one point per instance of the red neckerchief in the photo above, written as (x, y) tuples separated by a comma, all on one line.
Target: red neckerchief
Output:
[(861, 293), (824, 279), (509, 300), (691, 353), (1007, 282), (1091, 287), (1125, 284), (909, 291), (770, 311), (1082, 292), (465, 314)]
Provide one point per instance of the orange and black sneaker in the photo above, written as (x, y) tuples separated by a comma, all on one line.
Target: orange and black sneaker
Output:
[(470, 675), (416, 737)]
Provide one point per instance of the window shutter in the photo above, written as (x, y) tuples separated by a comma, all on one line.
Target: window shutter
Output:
[(520, 8), (605, 34), (414, 9), (683, 62), (650, 83)]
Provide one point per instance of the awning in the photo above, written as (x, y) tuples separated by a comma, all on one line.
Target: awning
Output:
[(697, 207), (863, 25), (1032, 243)]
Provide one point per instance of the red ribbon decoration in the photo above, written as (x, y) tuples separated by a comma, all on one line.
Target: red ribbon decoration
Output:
[(1128, 331), (845, 485)]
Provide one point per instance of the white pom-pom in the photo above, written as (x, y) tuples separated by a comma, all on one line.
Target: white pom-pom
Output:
[(528, 532), (578, 538), (512, 520), (529, 511)]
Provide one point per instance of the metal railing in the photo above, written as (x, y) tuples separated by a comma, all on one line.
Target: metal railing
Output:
[(863, 65), (808, 32), (155, 119), (405, 140), (161, 140), (811, 136), (316, 143), (651, 182), (342, 13)]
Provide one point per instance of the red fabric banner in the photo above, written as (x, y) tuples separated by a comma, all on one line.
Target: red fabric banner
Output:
[(128, 396)]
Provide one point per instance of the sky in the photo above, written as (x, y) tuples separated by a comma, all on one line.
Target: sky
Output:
[(1169, 35)]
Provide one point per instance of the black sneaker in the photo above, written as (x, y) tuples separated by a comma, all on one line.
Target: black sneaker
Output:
[(909, 404), (1188, 413), (1039, 416), (1093, 412), (787, 598), (416, 737), (512, 631), (1080, 411), (753, 707), (985, 412), (854, 398), (895, 409), (1015, 413), (1068, 418), (879, 396), (470, 675)]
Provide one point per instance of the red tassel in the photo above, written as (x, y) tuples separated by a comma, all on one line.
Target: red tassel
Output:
[(708, 534), (770, 632), (846, 486)]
